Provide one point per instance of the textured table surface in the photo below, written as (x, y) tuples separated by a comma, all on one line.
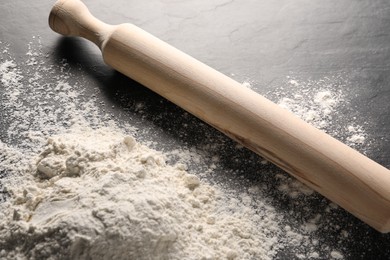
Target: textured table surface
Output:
[(267, 43)]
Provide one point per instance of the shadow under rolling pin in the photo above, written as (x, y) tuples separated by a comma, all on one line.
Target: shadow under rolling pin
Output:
[(338, 172)]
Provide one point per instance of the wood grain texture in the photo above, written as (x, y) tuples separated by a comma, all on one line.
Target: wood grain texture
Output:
[(333, 169)]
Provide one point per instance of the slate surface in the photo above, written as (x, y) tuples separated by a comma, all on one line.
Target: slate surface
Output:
[(260, 41)]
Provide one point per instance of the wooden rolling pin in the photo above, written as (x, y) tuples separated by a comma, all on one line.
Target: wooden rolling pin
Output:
[(326, 165)]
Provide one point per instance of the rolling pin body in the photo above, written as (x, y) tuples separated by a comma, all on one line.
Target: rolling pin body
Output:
[(328, 166)]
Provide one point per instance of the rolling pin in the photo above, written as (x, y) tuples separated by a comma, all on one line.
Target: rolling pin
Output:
[(338, 172)]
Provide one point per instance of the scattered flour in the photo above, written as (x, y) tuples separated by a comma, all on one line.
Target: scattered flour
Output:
[(77, 184), (336, 255), (292, 187), (318, 103), (358, 135), (247, 84), (314, 108)]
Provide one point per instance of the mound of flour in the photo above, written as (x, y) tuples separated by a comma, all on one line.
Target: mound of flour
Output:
[(98, 194)]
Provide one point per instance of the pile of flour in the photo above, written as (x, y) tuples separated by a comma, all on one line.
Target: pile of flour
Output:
[(98, 194)]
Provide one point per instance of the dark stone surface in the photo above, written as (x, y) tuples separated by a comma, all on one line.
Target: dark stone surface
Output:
[(261, 41)]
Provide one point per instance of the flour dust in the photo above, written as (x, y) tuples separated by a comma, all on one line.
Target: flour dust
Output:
[(76, 182)]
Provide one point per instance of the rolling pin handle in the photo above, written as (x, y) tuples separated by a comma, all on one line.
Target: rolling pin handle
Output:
[(72, 18)]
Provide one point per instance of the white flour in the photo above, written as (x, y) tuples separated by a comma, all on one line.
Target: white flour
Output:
[(80, 186), (317, 103), (99, 194), (317, 106)]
